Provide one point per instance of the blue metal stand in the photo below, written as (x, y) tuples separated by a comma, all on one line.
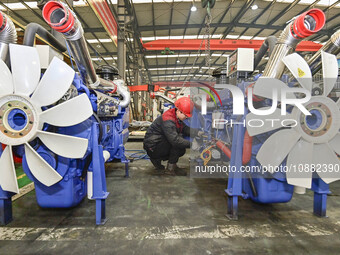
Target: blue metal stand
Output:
[(5, 204), (321, 190), (99, 181), (126, 162), (5, 208), (234, 189)]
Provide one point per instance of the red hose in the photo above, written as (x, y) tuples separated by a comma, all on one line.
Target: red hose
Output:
[(299, 28), (247, 146), (65, 24), (2, 23), (224, 148)]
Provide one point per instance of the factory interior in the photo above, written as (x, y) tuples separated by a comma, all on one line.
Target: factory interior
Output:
[(169, 127)]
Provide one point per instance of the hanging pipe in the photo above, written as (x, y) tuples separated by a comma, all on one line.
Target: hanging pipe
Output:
[(269, 43), (33, 29), (300, 28), (332, 46), (62, 19), (8, 35)]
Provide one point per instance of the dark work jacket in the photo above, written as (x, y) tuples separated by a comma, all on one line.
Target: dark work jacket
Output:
[(168, 127)]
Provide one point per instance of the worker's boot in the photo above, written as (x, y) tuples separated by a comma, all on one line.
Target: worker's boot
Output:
[(173, 169), (159, 168)]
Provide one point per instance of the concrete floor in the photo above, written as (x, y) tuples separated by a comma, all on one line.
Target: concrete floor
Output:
[(150, 214)]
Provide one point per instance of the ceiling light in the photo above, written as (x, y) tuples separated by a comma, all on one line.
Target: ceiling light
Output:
[(254, 7), (178, 61), (193, 8)]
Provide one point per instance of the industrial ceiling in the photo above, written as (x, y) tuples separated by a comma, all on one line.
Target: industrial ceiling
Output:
[(149, 20)]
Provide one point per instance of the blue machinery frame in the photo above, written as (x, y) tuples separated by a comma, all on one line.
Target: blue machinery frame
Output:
[(235, 181)]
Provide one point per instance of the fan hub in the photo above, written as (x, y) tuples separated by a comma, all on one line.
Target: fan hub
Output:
[(323, 123), (319, 122), (18, 120)]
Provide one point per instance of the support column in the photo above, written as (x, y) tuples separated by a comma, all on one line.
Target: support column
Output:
[(121, 47), (137, 102)]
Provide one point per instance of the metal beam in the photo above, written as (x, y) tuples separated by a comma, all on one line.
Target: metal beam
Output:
[(238, 16), (217, 25), (221, 18), (259, 15), (222, 45), (14, 13), (130, 8), (174, 65), (281, 13)]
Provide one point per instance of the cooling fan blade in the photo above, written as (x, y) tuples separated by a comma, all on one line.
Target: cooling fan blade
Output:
[(276, 147), (324, 157), (264, 87), (69, 113), (54, 84), (300, 70), (6, 81), (298, 161), (8, 180), (268, 125), (25, 66), (64, 145), (329, 71), (41, 170), (335, 143)]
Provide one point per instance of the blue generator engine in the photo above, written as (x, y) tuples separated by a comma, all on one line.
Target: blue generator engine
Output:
[(64, 125), (295, 141)]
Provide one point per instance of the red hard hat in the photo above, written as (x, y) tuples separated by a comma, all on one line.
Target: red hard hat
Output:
[(185, 105)]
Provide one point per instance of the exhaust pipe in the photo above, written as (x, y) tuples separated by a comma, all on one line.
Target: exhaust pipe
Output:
[(8, 35), (61, 18), (300, 28), (268, 44), (332, 46)]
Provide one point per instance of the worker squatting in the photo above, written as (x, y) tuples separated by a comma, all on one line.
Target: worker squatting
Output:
[(300, 168)]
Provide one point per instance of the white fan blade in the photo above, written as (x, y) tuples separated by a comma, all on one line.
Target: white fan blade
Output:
[(25, 65), (324, 158), (276, 147), (300, 70), (54, 84), (335, 143), (41, 170), (298, 160), (264, 87), (270, 122), (6, 81), (64, 145), (329, 71), (69, 113), (338, 103), (8, 177)]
